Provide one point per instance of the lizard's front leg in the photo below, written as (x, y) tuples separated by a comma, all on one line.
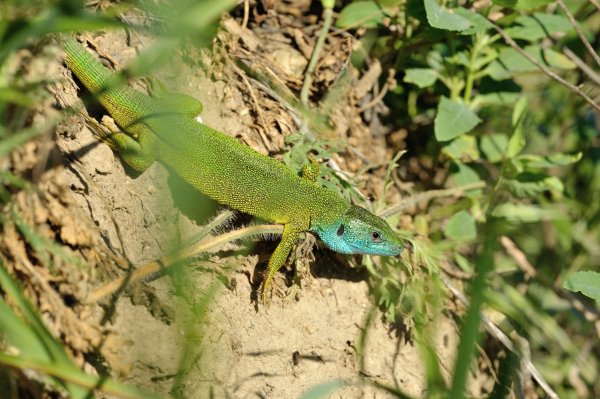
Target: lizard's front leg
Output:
[(310, 171), (290, 235)]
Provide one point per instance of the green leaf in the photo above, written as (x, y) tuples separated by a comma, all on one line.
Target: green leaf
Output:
[(521, 213), (293, 139), (463, 148), (511, 168), (441, 18), (515, 61), (459, 58), (564, 159), (520, 308), (416, 9), (526, 5), (479, 23), (498, 71), (391, 3), (530, 184), (538, 26), (564, 232), (558, 60), (517, 140), (519, 111), (512, 62), (466, 175), (522, 5), (494, 146), (554, 160), (436, 61), (422, 77), (497, 98), (453, 119), (461, 227), (463, 263), (366, 14), (13, 291), (505, 3), (586, 282)]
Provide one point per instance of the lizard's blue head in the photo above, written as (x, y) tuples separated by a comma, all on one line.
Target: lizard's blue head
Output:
[(361, 232)]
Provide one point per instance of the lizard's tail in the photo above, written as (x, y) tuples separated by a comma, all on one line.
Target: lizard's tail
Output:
[(94, 76)]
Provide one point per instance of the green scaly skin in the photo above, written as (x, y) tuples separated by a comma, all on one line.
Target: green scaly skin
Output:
[(227, 171)]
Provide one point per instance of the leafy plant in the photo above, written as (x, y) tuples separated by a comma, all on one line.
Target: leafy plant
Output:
[(464, 70)]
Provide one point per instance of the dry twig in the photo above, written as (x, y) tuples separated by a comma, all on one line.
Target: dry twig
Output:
[(246, 13), (577, 28), (208, 244), (596, 4), (589, 72), (509, 40), (429, 195)]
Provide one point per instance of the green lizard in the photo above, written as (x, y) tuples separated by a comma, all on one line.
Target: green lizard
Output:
[(229, 172)]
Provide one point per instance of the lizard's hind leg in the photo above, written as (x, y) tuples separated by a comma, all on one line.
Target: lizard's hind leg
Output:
[(138, 150)]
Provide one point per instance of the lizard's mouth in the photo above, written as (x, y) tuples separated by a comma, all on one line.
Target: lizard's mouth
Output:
[(395, 250), (383, 249)]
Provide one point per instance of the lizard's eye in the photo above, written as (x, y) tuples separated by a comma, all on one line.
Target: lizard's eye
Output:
[(340, 230), (375, 236)]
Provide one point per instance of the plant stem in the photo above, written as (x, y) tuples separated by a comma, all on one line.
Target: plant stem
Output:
[(328, 14), (471, 71)]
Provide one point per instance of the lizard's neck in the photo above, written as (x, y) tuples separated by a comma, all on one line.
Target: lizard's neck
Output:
[(328, 210)]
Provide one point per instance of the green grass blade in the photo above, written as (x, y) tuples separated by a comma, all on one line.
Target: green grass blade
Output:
[(470, 324), (79, 378), (52, 349), (18, 333)]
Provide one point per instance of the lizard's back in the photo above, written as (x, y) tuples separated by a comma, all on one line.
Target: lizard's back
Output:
[(212, 162), (237, 176)]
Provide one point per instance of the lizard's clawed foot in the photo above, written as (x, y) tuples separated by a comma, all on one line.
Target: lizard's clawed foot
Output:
[(103, 131)]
